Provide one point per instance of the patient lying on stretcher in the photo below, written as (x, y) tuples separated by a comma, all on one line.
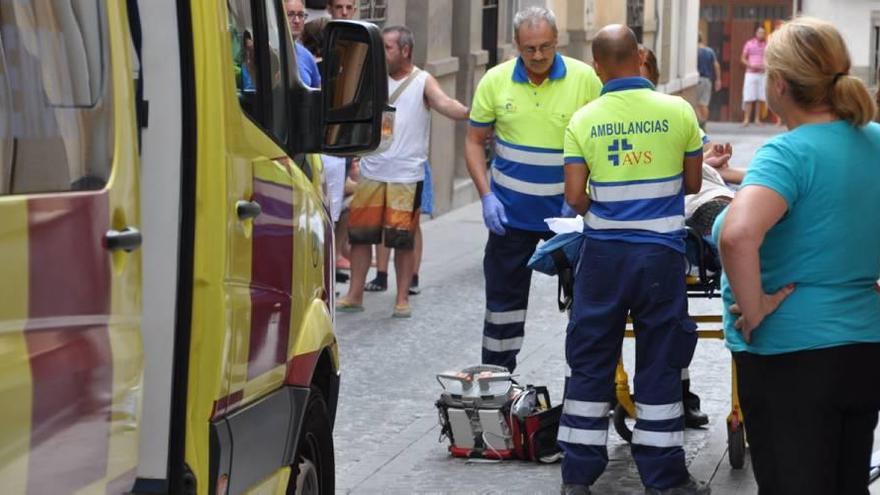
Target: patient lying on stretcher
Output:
[(702, 208)]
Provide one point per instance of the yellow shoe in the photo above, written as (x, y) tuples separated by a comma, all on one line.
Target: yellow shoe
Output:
[(402, 311), (345, 306)]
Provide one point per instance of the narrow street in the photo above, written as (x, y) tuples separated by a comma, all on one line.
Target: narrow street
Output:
[(387, 426)]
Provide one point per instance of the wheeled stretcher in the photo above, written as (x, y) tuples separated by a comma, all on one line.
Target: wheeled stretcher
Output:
[(703, 282)]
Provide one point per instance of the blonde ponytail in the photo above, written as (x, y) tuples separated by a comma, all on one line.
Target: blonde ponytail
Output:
[(851, 101), (811, 56)]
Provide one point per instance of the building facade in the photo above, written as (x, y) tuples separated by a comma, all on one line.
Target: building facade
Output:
[(726, 25), (458, 40), (859, 22)]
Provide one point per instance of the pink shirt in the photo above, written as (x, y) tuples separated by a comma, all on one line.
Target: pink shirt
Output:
[(754, 53)]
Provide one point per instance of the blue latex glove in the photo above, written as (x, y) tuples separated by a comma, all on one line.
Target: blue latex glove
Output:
[(567, 211), (493, 214)]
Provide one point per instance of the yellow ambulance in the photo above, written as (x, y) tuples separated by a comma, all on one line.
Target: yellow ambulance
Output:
[(166, 263)]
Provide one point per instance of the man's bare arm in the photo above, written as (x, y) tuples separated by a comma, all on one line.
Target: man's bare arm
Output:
[(732, 175), (475, 156), (436, 99), (576, 175), (693, 173)]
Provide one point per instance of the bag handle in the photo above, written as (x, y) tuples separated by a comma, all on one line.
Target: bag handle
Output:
[(400, 89)]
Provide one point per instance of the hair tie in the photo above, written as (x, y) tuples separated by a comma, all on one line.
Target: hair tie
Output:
[(838, 76)]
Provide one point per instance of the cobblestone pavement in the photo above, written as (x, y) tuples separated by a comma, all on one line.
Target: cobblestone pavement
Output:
[(386, 431)]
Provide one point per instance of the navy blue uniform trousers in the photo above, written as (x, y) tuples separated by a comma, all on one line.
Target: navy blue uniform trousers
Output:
[(508, 279), (647, 282)]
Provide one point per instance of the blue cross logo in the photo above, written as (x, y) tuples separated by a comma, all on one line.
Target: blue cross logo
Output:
[(616, 146)]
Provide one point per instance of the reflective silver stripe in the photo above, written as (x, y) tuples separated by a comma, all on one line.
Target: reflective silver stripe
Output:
[(550, 159), (524, 187), (502, 345), (660, 412), (582, 437), (629, 192), (685, 374), (505, 317), (658, 438), (662, 225), (586, 409)]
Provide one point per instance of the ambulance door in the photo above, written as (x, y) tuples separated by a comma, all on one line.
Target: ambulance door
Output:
[(251, 418), (70, 300), (266, 193)]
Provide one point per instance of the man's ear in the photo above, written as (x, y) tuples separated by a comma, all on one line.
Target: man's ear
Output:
[(598, 68)]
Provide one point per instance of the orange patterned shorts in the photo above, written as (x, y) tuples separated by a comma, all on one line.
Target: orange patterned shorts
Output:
[(385, 209)]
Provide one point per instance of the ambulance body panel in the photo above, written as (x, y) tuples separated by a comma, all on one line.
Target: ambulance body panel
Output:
[(70, 307), (190, 349)]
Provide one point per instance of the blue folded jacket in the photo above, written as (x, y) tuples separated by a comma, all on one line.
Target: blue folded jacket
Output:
[(557, 254)]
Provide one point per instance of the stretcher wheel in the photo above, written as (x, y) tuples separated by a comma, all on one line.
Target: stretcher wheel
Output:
[(736, 445), (620, 418)]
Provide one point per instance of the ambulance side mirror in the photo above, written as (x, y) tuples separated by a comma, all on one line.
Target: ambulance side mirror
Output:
[(355, 116)]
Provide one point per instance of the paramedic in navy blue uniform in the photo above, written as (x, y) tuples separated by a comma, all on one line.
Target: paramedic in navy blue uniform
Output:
[(630, 157), (527, 102)]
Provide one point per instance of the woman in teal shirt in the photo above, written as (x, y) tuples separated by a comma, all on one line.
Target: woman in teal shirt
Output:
[(800, 246)]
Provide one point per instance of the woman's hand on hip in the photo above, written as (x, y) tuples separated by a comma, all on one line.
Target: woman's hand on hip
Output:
[(747, 324)]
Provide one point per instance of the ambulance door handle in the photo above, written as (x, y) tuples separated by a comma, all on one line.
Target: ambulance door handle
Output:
[(127, 239), (247, 209)]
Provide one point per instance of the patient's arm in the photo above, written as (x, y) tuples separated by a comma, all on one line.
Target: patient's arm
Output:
[(732, 175)]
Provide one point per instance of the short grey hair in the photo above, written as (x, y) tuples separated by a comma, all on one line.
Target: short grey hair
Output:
[(533, 16), (405, 38)]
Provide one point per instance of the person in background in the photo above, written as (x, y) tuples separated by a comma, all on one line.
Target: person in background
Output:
[(379, 283), (710, 79), (344, 10), (305, 61), (755, 79), (334, 166), (313, 37), (386, 205), (341, 9), (799, 247)]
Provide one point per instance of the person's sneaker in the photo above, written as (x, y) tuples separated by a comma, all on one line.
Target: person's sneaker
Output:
[(575, 490), (378, 284), (414, 289), (690, 487)]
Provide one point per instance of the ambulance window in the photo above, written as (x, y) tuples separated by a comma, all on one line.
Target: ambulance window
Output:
[(259, 62), (244, 58), (278, 122), (56, 129)]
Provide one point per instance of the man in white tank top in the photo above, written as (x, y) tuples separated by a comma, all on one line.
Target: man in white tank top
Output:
[(386, 201)]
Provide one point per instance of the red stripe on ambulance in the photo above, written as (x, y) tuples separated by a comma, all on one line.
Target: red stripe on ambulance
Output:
[(271, 278), (68, 341)]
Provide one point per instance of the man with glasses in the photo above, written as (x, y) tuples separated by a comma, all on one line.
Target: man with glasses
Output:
[(305, 61), (527, 102)]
